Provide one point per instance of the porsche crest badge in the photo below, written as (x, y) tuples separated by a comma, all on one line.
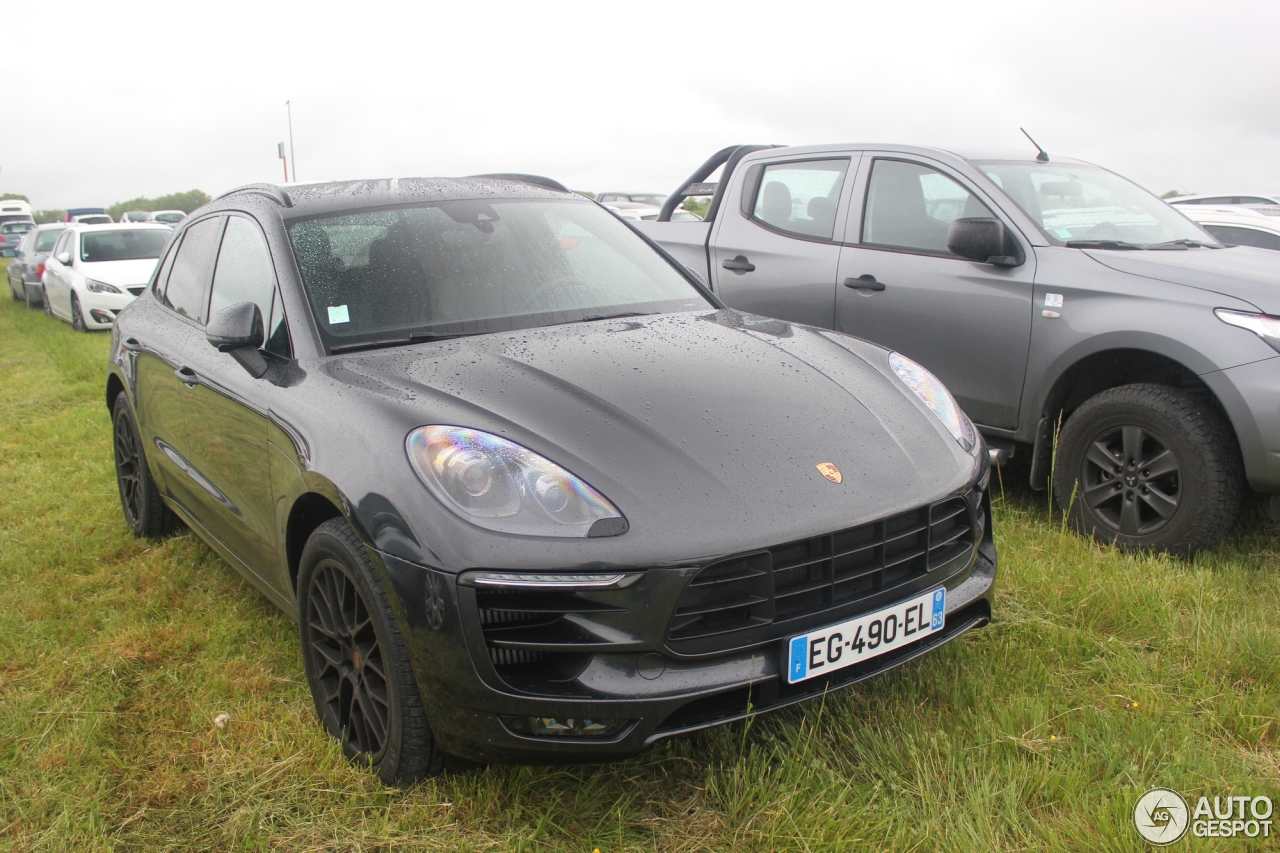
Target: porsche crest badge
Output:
[(830, 471)]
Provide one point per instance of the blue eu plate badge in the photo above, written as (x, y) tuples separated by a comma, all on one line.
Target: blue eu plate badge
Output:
[(827, 650)]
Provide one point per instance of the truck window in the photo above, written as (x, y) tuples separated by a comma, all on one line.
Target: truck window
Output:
[(911, 206), (801, 198)]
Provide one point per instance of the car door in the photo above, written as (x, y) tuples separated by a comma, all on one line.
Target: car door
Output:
[(967, 322), (226, 409), (56, 282), (183, 290), (776, 252)]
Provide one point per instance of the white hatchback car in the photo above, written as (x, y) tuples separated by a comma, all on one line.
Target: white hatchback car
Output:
[(1239, 226), (94, 271)]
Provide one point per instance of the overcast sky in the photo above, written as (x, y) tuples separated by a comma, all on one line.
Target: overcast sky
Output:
[(135, 98)]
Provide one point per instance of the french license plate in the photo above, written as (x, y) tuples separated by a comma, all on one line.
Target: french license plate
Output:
[(829, 649)]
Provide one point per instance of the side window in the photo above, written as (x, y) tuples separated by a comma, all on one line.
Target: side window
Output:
[(244, 272), (1244, 236), (801, 198), (61, 244), (162, 274), (911, 206), (188, 284)]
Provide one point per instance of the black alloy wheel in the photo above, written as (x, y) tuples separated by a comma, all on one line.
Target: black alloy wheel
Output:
[(77, 318), (144, 509), (357, 664), (1150, 467), (1131, 480)]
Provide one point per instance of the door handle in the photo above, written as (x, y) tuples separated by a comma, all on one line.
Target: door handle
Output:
[(188, 376), (739, 264), (864, 282), (131, 344)]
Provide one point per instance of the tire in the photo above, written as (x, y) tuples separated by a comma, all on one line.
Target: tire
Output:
[(1149, 467), (44, 300), (77, 316), (12, 292), (26, 292), (144, 509), (361, 681)]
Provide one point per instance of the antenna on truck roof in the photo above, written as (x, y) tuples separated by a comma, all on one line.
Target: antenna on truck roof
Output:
[(1043, 156)]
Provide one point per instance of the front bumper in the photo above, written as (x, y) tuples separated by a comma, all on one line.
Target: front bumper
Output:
[(100, 309), (615, 658)]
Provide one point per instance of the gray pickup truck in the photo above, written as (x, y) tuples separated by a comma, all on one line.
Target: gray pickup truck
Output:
[(1063, 305)]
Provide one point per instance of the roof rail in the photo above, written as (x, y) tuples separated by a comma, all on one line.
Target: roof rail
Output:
[(536, 180), (271, 191), (696, 184)]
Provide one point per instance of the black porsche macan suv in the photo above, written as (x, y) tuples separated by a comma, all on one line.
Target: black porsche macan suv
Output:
[(530, 490)]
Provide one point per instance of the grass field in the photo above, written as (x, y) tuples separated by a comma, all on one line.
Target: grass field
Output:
[(1103, 675)]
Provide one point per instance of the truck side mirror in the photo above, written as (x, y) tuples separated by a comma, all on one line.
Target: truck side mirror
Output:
[(238, 331), (984, 240)]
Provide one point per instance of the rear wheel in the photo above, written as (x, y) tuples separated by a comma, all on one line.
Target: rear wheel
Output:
[(1149, 467), (356, 660), (140, 499), (77, 317), (26, 292)]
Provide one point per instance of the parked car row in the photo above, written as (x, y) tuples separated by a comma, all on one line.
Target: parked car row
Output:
[(85, 274)]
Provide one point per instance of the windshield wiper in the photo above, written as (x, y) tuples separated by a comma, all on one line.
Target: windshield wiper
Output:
[(416, 338), (617, 316), (1182, 243), (1101, 244)]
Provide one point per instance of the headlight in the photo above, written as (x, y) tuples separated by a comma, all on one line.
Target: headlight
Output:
[(936, 396), (100, 286), (1262, 325), (502, 486)]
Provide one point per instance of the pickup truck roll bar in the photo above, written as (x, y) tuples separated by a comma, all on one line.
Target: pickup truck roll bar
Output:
[(694, 185)]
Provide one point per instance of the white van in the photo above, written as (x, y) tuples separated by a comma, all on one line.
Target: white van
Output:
[(15, 210)]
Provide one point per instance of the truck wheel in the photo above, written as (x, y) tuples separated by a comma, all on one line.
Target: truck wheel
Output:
[(1149, 467)]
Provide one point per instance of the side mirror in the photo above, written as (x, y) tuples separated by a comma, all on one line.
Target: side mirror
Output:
[(238, 330), (984, 240), (64, 258)]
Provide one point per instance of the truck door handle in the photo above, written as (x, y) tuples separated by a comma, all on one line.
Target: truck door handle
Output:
[(188, 376), (739, 264), (864, 282)]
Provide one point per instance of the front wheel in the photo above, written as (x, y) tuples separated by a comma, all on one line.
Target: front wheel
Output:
[(1149, 467), (356, 661), (77, 316)]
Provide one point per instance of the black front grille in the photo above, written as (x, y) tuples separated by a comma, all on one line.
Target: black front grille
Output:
[(813, 575)]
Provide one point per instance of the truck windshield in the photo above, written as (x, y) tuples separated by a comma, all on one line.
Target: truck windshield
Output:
[(1079, 203), (467, 267)]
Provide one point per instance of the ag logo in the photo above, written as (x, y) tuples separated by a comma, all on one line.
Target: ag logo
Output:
[(1161, 816), (831, 472)]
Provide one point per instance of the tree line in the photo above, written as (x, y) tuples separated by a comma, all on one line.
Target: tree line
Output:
[(185, 201)]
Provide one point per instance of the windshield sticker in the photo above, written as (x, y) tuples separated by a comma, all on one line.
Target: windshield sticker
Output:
[(338, 314), (1051, 300)]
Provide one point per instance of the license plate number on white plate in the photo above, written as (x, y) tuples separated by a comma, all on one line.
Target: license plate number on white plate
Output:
[(827, 650)]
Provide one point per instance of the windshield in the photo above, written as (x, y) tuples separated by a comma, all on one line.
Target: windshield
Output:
[(471, 267), (122, 244), (169, 217), (1073, 202), (16, 227)]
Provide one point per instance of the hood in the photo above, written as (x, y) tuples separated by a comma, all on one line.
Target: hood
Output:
[(688, 419), (1242, 272), (120, 273)]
